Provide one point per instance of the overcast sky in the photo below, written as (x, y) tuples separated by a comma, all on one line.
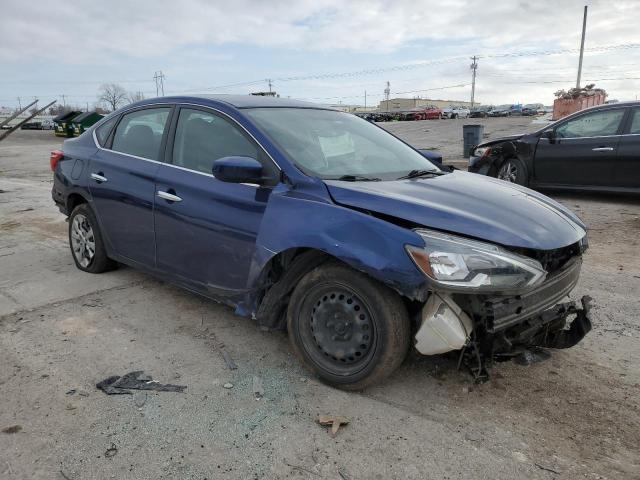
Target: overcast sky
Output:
[(340, 47)]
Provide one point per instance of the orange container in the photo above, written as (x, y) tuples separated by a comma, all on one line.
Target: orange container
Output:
[(563, 107)]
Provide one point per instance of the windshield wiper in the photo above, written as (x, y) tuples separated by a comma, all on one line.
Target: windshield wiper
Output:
[(420, 173), (357, 178)]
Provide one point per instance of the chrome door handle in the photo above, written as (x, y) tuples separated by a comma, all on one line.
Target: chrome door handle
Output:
[(169, 196), (602, 149), (98, 177)]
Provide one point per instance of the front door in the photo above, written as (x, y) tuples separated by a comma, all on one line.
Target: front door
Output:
[(582, 151), (121, 182), (206, 229)]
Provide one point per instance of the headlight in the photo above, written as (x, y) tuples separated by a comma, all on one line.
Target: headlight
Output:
[(482, 151), (461, 264)]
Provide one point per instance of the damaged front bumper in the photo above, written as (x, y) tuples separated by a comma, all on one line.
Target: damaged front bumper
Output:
[(488, 328)]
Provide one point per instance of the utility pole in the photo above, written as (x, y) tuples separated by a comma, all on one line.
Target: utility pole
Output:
[(270, 84), (474, 67), (19, 104), (64, 100), (159, 78), (584, 30), (365, 99), (387, 91)]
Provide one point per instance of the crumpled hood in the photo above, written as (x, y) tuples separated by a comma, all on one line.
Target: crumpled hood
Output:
[(470, 205), (506, 138)]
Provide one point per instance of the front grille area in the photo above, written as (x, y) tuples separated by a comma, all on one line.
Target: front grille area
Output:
[(501, 312), (553, 260)]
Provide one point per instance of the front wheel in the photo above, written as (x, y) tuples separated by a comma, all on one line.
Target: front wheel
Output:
[(351, 330), (513, 170), (85, 240)]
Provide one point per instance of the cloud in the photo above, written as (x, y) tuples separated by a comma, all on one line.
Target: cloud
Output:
[(201, 42), (88, 30)]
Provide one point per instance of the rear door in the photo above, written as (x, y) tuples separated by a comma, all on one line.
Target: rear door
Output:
[(206, 229), (583, 151), (627, 171), (121, 181)]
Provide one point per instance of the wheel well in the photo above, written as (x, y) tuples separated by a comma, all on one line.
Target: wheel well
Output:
[(280, 276), (74, 200), (278, 279)]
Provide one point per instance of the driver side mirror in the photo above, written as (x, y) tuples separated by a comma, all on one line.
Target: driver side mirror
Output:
[(549, 135), (238, 170)]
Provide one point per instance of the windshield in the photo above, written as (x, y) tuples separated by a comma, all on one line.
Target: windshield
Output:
[(332, 145)]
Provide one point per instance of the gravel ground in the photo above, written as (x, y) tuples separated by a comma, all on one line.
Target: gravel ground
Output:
[(61, 331)]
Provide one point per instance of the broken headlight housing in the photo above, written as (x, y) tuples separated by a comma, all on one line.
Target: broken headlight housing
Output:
[(458, 263), (481, 152)]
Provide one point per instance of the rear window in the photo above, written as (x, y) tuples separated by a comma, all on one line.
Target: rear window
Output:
[(103, 131), (140, 133)]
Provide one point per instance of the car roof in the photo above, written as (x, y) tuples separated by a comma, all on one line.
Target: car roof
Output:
[(247, 101)]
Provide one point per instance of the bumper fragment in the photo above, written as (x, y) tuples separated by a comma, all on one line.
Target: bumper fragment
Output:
[(566, 338)]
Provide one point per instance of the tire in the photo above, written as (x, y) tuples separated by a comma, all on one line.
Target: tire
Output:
[(84, 236), (513, 170), (349, 329)]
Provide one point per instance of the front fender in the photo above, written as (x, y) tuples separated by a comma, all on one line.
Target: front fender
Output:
[(366, 243)]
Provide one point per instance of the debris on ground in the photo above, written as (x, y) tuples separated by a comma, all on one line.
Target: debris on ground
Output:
[(12, 429), (258, 389), (531, 355), (139, 399), (548, 469), (111, 451), (231, 365), (228, 385), (137, 380), (334, 421)]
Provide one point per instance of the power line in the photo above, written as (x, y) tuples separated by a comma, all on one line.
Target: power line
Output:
[(429, 63)]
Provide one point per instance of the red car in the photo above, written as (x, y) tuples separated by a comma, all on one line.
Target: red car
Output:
[(428, 113)]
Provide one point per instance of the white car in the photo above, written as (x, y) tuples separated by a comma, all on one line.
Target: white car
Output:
[(47, 124), (455, 112)]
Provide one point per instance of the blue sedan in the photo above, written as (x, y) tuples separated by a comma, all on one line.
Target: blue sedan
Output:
[(323, 224)]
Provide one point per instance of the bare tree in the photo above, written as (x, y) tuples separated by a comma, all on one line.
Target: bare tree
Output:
[(113, 95), (135, 96)]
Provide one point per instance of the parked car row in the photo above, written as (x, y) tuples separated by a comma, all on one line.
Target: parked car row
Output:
[(508, 110), (39, 125), (424, 113)]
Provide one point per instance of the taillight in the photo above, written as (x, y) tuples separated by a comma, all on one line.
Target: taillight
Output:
[(56, 156)]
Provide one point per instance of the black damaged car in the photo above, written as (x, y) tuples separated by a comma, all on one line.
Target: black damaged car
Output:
[(594, 149)]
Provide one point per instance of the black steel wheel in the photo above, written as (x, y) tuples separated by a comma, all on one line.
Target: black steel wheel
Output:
[(351, 330)]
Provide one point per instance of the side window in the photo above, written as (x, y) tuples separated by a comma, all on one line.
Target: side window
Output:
[(103, 131), (203, 137), (594, 124), (635, 122), (140, 133)]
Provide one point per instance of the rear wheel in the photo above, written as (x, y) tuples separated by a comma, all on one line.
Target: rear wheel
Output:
[(513, 170), (351, 330), (85, 240)]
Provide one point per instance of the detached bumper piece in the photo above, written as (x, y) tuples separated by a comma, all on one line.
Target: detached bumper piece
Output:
[(567, 338), (553, 328)]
